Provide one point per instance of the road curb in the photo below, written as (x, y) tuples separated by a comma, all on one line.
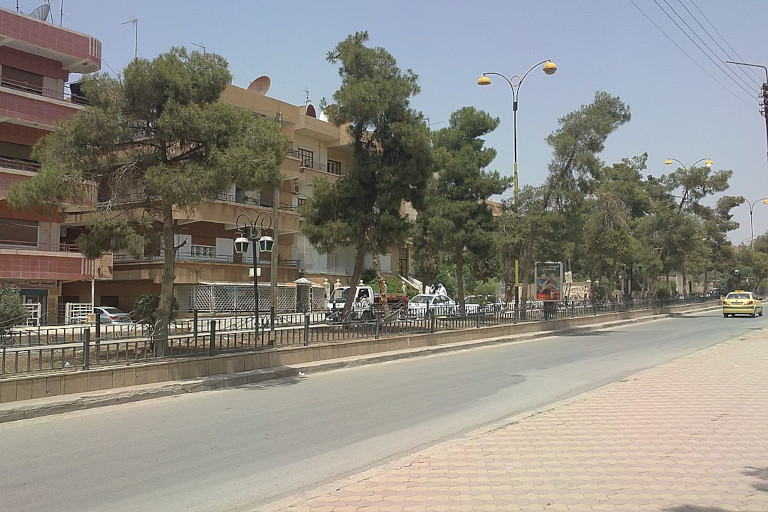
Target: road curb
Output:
[(41, 407)]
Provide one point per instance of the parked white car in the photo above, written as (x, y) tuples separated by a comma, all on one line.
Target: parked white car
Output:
[(431, 304)]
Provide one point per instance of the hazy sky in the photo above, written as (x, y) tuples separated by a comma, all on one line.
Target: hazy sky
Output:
[(663, 58)]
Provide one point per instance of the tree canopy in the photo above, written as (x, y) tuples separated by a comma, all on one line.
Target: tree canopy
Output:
[(457, 221), (150, 143), (391, 155)]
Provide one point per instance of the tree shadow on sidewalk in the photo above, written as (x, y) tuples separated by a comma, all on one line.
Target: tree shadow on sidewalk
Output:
[(762, 475), (694, 508)]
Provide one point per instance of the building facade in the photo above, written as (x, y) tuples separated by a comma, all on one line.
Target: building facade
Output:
[(37, 252), (36, 60)]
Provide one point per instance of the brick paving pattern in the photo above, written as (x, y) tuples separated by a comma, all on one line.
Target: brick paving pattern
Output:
[(691, 435)]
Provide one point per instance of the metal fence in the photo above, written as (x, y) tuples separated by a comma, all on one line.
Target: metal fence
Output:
[(79, 347)]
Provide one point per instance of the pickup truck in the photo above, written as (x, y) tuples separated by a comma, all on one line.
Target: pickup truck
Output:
[(363, 308)]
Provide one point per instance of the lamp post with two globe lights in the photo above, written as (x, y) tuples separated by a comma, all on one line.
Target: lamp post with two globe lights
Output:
[(251, 230), (515, 81)]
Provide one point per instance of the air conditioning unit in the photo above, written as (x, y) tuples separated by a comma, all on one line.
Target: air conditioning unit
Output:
[(295, 189)]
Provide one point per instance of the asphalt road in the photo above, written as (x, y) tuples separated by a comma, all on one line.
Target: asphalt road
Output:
[(238, 449)]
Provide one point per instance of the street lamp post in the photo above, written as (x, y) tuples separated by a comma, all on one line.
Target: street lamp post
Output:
[(251, 230), (751, 227), (515, 81), (670, 161)]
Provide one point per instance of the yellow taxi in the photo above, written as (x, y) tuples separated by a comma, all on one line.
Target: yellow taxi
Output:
[(740, 302)]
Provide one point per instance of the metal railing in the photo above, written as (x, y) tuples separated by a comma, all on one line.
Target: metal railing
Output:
[(73, 348), (19, 164), (55, 94)]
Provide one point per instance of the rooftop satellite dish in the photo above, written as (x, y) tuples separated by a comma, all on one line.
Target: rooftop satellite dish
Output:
[(41, 13), (260, 85), (311, 111)]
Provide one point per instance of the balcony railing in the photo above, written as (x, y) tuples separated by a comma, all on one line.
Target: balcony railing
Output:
[(229, 198), (19, 164), (42, 91), (326, 167), (201, 255), (35, 246)]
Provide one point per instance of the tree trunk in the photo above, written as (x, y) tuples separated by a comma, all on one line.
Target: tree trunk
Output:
[(166, 284), (382, 286), (352, 293), (460, 280)]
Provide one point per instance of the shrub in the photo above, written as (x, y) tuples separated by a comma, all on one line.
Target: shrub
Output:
[(662, 292), (12, 310), (145, 308)]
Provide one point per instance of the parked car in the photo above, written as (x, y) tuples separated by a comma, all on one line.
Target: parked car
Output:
[(110, 315), (489, 304), (425, 304), (740, 302)]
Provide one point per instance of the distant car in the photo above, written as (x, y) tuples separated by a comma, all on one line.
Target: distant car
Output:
[(740, 302), (426, 304), (110, 315), (490, 304)]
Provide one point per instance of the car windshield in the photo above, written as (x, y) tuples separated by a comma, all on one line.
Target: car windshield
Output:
[(738, 295), (421, 299), (111, 311), (339, 294)]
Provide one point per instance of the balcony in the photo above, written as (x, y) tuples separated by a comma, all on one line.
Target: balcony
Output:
[(29, 261), (19, 164), (54, 94)]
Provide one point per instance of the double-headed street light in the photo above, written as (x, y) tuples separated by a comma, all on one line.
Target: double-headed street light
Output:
[(751, 227), (251, 230), (706, 161), (670, 161), (515, 81)]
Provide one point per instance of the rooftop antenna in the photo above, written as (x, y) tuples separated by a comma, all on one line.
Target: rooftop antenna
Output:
[(306, 97), (41, 13), (199, 46), (135, 22)]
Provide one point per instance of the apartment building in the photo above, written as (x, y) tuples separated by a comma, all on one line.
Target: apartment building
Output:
[(37, 252), (36, 60)]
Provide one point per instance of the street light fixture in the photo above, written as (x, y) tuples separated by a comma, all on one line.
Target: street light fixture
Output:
[(751, 227), (670, 161), (515, 81), (251, 230)]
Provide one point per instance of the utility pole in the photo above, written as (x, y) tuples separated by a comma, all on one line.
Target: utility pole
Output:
[(764, 104)]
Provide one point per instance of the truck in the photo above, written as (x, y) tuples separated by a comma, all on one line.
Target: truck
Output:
[(366, 306)]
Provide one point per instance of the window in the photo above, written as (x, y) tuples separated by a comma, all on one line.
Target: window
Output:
[(334, 167), (332, 261), (306, 156)]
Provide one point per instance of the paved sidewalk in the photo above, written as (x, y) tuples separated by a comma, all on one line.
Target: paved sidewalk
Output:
[(691, 435)]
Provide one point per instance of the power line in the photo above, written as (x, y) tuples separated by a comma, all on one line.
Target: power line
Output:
[(707, 55), (754, 76), (726, 70), (687, 54)]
